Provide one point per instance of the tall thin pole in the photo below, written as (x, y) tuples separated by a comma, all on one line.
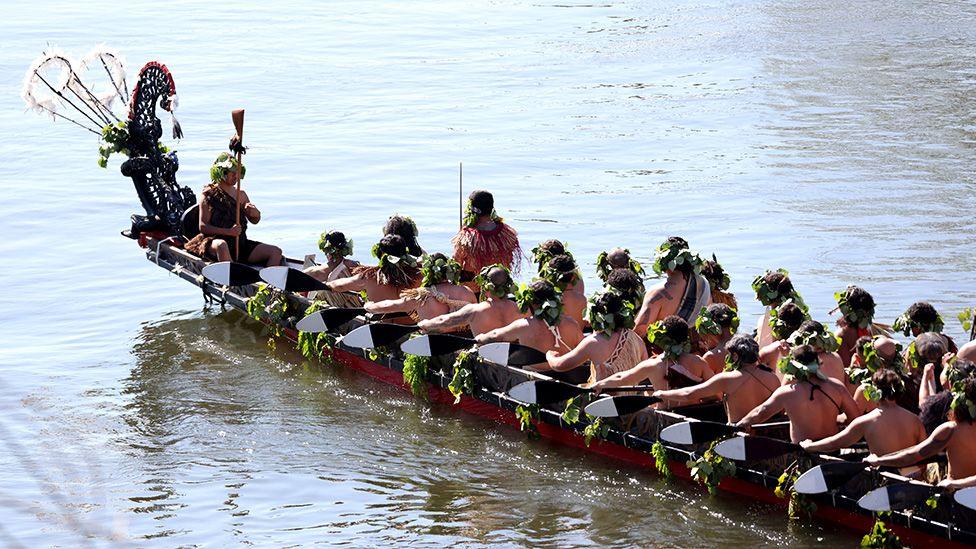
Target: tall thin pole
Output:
[(461, 195), (237, 117)]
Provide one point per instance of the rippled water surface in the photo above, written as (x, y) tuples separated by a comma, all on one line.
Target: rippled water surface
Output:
[(829, 138)]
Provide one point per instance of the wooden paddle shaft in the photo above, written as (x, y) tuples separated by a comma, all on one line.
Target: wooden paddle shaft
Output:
[(237, 116)]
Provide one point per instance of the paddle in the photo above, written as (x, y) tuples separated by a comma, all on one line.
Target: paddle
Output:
[(511, 354), (231, 273), (237, 116), (696, 432), (753, 448), (548, 391), (896, 497), (371, 336), (291, 279), (620, 405), (966, 497), (328, 320), (827, 477), (436, 344)]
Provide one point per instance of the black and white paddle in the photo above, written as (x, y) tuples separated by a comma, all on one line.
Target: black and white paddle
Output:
[(620, 405), (753, 448), (379, 334), (896, 497), (696, 432), (436, 344), (290, 279), (549, 391), (511, 354), (231, 273), (328, 320), (966, 497), (827, 477)]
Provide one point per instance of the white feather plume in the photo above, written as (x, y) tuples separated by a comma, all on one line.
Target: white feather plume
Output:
[(100, 58), (36, 93)]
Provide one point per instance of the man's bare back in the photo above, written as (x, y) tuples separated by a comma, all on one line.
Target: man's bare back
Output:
[(812, 407), (479, 317)]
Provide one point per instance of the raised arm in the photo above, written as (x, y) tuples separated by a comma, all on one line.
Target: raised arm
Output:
[(401, 305), (773, 405), (354, 283), (719, 384), (851, 434), (632, 376), (929, 447), (576, 357), (459, 318), (508, 333)]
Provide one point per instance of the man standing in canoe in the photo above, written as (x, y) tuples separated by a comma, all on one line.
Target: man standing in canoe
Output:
[(496, 309), (811, 400), (397, 271), (485, 238), (684, 291), (438, 294)]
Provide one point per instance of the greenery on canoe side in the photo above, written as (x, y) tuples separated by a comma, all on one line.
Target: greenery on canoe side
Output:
[(316, 346), (660, 455), (270, 305), (415, 370), (574, 409), (880, 536), (527, 415), (595, 429), (711, 468), (462, 379), (799, 504)]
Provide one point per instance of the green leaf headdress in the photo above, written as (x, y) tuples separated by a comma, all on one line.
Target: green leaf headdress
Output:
[(669, 257), (821, 339), (549, 310), (708, 324), (718, 279), (559, 279), (541, 254), (960, 400), (798, 370), (658, 336), (484, 282), (389, 260), (472, 213), (778, 327), (225, 163), (770, 296), (905, 324), (872, 361), (875, 394), (329, 249), (604, 268), (609, 321), (437, 268), (858, 318)]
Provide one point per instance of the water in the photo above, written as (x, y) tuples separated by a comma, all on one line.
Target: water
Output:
[(830, 139)]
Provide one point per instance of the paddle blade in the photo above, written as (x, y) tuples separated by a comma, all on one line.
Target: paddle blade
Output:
[(696, 432), (967, 497), (327, 320), (231, 273), (827, 477), (620, 405), (754, 448), (896, 497), (289, 279), (371, 336), (544, 391), (435, 345), (511, 354), (237, 116)]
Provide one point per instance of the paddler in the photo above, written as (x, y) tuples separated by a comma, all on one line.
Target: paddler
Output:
[(856, 307), (922, 317), (715, 326), (219, 229), (485, 239), (547, 250), (396, 271), (612, 347), (683, 292), (719, 281), (616, 258), (406, 229), (337, 249), (886, 429), (563, 273), (438, 294), (496, 309), (874, 353), (546, 328), (957, 437), (744, 384), (811, 400), (773, 289), (817, 335), (628, 285), (673, 365), (783, 321)]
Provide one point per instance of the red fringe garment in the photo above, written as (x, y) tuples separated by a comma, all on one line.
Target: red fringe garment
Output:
[(476, 249)]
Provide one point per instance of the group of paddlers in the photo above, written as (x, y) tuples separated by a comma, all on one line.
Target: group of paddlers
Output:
[(681, 335)]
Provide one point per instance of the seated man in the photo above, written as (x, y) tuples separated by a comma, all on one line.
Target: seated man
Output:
[(485, 238), (438, 294), (405, 228), (857, 319), (546, 328), (811, 400), (612, 347), (684, 291), (547, 250), (223, 229), (617, 258), (397, 271), (627, 285), (561, 271), (783, 322), (873, 353), (715, 326), (887, 429), (718, 281), (673, 365), (744, 384), (773, 289), (497, 308), (927, 357), (817, 335), (957, 437), (922, 317), (337, 250)]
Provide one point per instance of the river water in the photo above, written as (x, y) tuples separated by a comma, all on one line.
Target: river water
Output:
[(829, 138)]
